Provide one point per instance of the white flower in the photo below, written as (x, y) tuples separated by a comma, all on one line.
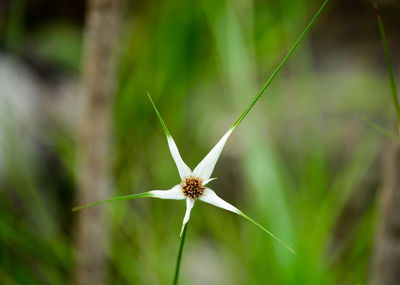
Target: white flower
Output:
[(193, 183)]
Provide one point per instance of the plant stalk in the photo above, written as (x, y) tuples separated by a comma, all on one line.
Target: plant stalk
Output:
[(388, 66), (179, 258)]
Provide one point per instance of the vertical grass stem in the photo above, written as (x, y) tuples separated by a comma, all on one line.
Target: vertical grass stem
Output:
[(179, 258), (388, 65)]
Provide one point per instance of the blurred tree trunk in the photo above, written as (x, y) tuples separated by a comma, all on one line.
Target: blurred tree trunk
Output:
[(94, 176), (386, 258)]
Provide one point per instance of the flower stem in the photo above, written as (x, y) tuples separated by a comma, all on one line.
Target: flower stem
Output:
[(179, 258)]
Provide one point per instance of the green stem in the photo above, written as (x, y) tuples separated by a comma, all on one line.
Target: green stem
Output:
[(388, 64), (243, 115), (179, 258), (119, 198)]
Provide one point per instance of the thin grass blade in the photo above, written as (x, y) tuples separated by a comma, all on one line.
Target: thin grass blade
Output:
[(388, 64), (266, 231), (159, 116), (246, 111), (115, 199), (382, 130)]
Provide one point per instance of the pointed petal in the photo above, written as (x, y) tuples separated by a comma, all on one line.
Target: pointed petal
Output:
[(114, 199), (210, 197), (206, 166), (183, 169), (189, 206), (208, 181), (175, 193)]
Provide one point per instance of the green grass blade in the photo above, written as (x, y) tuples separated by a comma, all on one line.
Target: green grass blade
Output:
[(243, 115), (179, 258), (382, 130), (15, 26), (115, 199), (388, 64), (265, 230), (159, 116)]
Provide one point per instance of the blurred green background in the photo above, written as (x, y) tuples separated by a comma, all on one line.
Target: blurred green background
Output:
[(292, 165)]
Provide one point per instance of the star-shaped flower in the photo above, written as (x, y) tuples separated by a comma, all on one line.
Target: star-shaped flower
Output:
[(193, 183)]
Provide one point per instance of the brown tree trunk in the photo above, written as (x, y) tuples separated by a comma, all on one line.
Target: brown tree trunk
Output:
[(94, 176), (386, 258)]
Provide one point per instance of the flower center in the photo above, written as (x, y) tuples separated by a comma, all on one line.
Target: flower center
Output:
[(192, 187)]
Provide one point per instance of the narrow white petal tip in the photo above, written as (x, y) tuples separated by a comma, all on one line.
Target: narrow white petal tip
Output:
[(175, 193), (183, 169), (205, 168), (209, 180), (209, 196), (189, 206)]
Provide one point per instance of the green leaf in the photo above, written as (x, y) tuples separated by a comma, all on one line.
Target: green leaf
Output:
[(115, 199), (159, 116), (243, 115), (265, 230)]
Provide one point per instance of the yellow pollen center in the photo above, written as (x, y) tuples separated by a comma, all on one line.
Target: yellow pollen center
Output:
[(192, 187)]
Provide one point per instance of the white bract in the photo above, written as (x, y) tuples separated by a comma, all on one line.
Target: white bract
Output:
[(193, 183), (201, 174)]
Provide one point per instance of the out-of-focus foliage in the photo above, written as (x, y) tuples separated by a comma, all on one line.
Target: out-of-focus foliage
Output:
[(291, 165)]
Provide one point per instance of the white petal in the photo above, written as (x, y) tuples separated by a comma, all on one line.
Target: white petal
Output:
[(189, 206), (183, 169), (208, 181), (206, 166), (210, 197), (174, 194)]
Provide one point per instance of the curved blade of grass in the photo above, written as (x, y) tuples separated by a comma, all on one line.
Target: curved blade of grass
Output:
[(179, 258), (265, 230), (382, 130), (115, 199), (388, 64), (243, 115)]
